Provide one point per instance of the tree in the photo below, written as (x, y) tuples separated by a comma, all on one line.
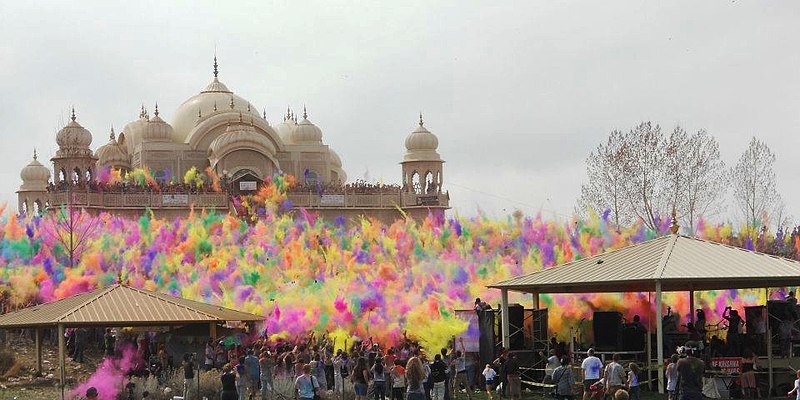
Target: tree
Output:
[(755, 186), (605, 167), (644, 174), (71, 229), (706, 179)]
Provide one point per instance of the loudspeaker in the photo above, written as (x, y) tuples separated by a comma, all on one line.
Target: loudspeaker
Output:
[(606, 326), (486, 341), (632, 338), (779, 310), (516, 316)]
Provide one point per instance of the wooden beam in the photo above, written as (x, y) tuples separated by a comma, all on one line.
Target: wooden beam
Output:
[(659, 339), (62, 375), (505, 324), (38, 336)]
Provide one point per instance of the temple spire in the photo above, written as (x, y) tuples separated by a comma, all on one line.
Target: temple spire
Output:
[(142, 113), (231, 105), (73, 114), (156, 111), (421, 122), (35, 156), (112, 136), (265, 114), (674, 227), (216, 69), (305, 113)]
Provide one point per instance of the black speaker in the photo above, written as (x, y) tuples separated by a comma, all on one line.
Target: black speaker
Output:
[(606, 326), (516, 316), (487, 339), (779, 310), (540, 329), (632, 338)]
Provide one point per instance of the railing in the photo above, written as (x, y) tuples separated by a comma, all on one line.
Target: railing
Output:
[(366, 200), (138, 200)]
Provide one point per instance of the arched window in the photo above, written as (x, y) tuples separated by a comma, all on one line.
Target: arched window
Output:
[(37, 207), (62, 175), (76, 175), (24, 210), (88, 175), (430, 185), (415, 182)]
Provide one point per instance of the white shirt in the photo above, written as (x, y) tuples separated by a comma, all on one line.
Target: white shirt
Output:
[(592, 367), (489, 374), (552, 363)]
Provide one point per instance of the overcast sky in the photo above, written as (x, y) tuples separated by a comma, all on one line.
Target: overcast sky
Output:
[(518, 93)]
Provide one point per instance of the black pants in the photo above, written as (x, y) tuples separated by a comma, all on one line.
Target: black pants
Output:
[(329, 376)]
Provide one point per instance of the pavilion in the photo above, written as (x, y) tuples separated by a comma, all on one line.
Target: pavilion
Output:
[(672, 263), (117, 305)]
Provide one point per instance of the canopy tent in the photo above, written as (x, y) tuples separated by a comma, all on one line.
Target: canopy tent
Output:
[(117, 306), (669, 263)]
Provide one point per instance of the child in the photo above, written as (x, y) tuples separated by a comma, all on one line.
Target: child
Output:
[(633, 381), (672, 376), (489, 375), (796, 389)]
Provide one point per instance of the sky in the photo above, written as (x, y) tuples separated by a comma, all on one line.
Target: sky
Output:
[(518, 93)]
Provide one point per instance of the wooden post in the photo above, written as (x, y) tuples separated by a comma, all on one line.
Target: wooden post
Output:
[(535, 298), (691, 304), (62, 375), (659, 339), (38, 351), (504, 318), (649, 341), (212, 331)]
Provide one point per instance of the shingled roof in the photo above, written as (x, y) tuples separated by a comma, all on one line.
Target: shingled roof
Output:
[(680, 263), (122, 305)]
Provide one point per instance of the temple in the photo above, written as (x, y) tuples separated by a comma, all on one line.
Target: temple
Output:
[(218, 132)]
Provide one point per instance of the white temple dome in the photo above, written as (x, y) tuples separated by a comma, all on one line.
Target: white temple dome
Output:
[(73, 139), (239, 136), (285, 128), (157, 130), (335, 159), (306, 132), (35, 176), (421, 144), (113, 154), (215, 98)]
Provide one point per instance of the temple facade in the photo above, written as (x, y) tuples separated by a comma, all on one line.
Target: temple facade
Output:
[(216, 130)]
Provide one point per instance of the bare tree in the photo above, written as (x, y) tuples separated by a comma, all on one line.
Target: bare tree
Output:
[(754, 184), (71, 229), (646, 189), (705, 182), (605, 167), (644, 174)]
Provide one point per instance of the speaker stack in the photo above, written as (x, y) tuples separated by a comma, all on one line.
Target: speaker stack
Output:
[(606, 326)]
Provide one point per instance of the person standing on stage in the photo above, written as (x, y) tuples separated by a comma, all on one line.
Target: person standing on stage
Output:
[(734, 331), (591, 367)]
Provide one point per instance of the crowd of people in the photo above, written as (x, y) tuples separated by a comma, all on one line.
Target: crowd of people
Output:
[(359, 186), (94, 186)]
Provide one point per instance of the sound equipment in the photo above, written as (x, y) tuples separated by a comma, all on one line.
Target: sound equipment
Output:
[(516, 317), (632, 337), (539, 331), (487, 339), (779, 310), (756, 317), (606, 326)]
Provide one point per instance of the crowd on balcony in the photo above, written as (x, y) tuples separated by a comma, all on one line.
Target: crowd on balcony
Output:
[(132, 187), (360, 186)]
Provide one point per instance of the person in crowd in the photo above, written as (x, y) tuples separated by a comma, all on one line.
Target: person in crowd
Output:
[(360, 378), (267, 369), (564, 380), (633, 381), (489, 376), (378, 371), (700, 324), (414, 376), (591, 367), (438, 378), (796, 388), (228, 379), (499, 363), (460, 364), (512, 376), (690, 374), (621, 394), (672, 377), (241, 378), (748, 377), (208, 359), (109, 343), (188, 374), (614, 376), (338, 375), (305, 385), (91, 393), (318, 370), (553, 362), (398, 376), (427, 383), (253, 373)]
